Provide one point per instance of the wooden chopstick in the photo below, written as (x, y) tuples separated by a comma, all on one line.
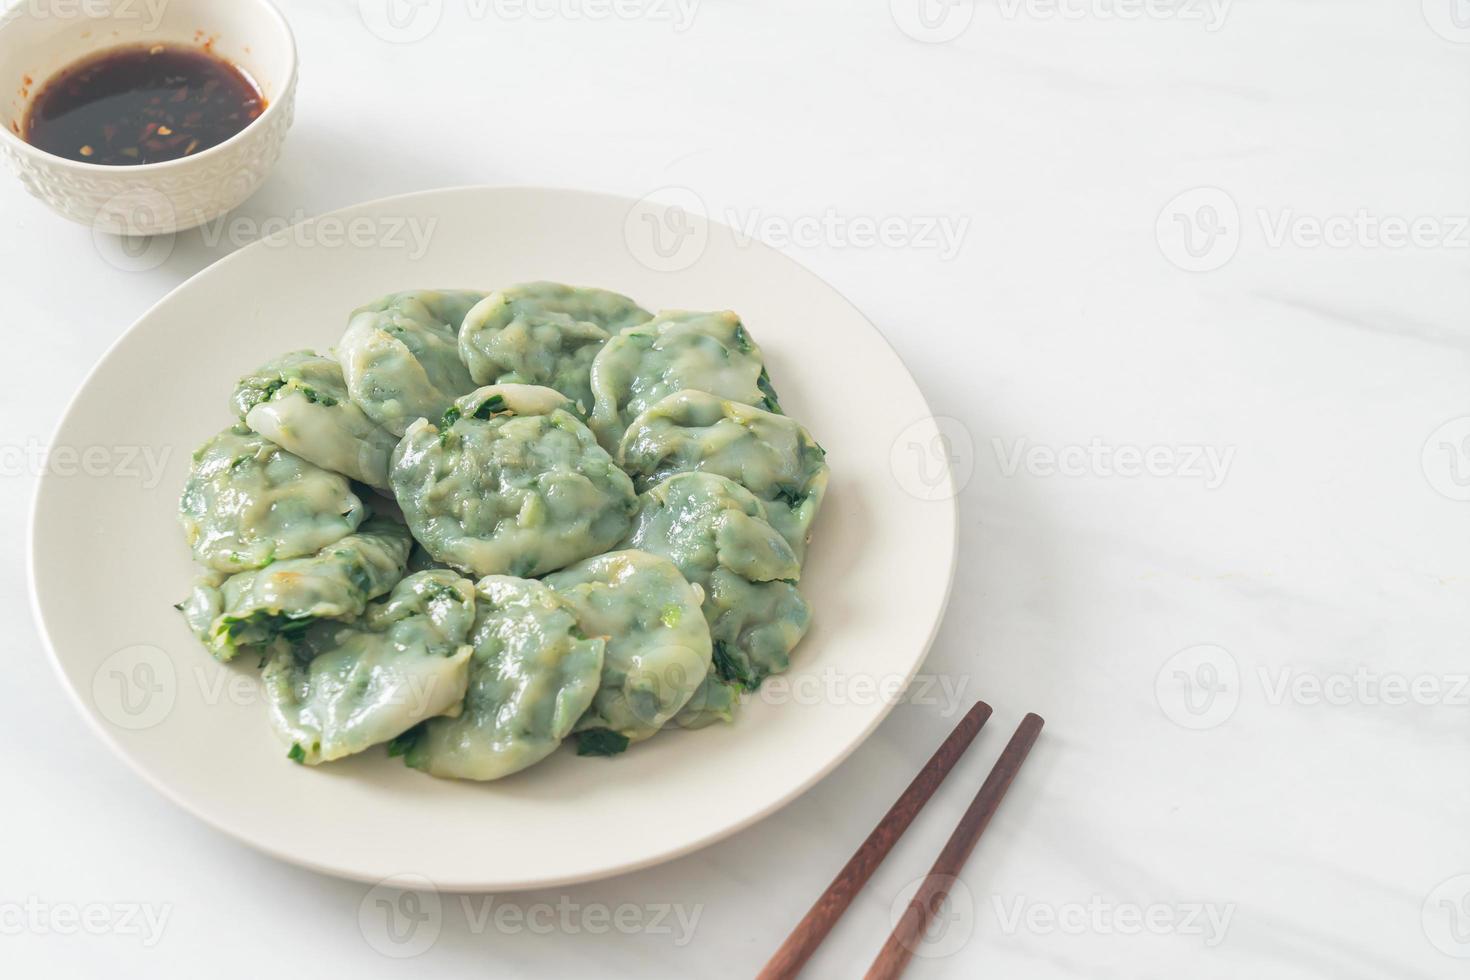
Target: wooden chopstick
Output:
[(909, 932), (813, 928)]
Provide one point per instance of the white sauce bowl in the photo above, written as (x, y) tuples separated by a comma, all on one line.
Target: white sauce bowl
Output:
[(38, 38)]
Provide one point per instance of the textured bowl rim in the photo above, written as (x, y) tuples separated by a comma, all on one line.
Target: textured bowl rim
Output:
[(272, 109)]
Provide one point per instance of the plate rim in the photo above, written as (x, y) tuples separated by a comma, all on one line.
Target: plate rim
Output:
[(950, 499)]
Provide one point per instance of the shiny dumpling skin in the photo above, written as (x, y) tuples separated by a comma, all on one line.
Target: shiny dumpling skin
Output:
[(532, 676), (544, 333), (673, 351), (300, 402), (248, 502), (756, 626), (400, 356), (203, 604), (348, 687), (770, 455), (658, 645), (716, 532), (716, 700), (285, 597), (492, 491)]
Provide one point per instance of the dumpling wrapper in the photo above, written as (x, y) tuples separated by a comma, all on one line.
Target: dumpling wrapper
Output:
[(544, 333), (716, 700), (404, 662), (510, 483), (658, 645), (675, 350), (533, 674), (400, 356), (716, 532), (300, 402), (770, 455), (249, 502), (284, 598)]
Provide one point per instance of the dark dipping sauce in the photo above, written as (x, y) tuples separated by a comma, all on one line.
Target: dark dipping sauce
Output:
[(142, 104)]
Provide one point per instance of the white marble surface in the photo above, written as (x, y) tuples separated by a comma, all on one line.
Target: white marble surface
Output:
[(1296, 529)]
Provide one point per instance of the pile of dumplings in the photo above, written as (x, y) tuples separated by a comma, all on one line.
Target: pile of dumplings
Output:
[(486, 523)]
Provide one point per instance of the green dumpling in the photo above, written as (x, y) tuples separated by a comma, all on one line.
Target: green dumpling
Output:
[(256, 606), (343, 688), (300, 402), (716, 532), (673, 351), (249, 502), (531, 677), (658, 645), (544, 333), (400, 356), (511, 483), (770, 455)]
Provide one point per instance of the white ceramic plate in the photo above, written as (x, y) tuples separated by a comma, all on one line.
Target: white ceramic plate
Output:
[(108, 559)]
